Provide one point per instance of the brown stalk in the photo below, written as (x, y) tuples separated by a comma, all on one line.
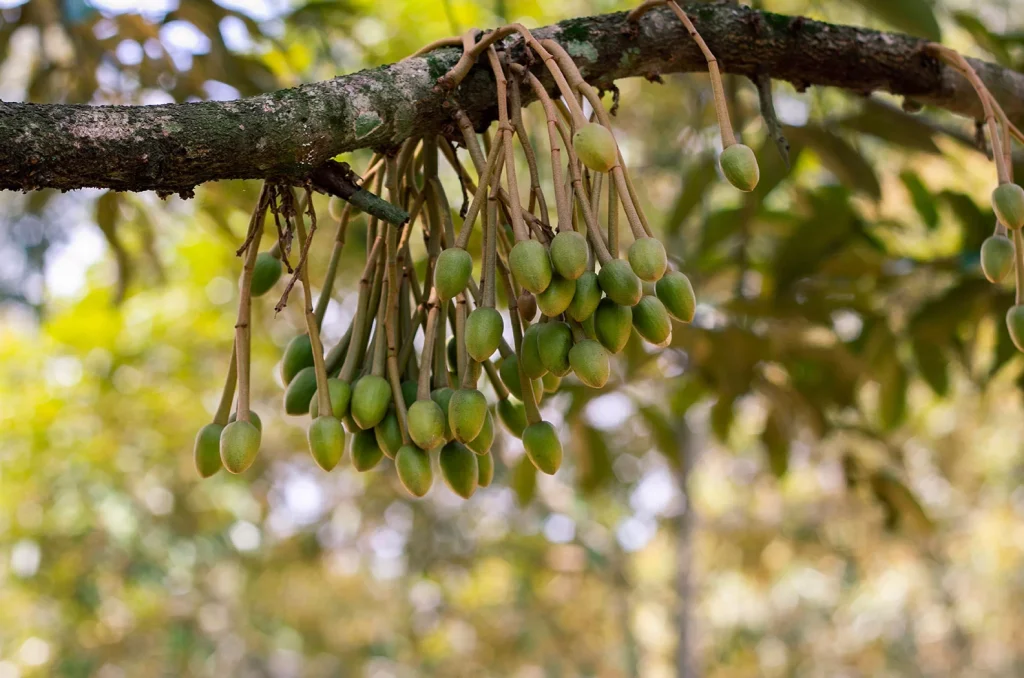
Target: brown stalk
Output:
[(536, 194), (391, 315), (227, 395), (594, 234), (429, 339), (361, 322), (243, 331), (312, 327), (562, 201), (956, 60), (479, 196), (505, 129), (470, 54), (631, 206), (529, 397), (472, 144)]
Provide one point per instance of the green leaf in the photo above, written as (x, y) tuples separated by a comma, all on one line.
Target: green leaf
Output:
[(694, 186), (665, 439), (986, 39), (902, 507), (37, 201), (106, 211), (686, 396), (910, 16), (924, 201), (523, 480), (592, 457), (977, 223), (720, 226), (937, 319), (824, 233), (839, 157), (722, 415), (319, 13), (1005, 349), (773, 169), (775, 436), (892, 125), (892, 394), (933, 365)]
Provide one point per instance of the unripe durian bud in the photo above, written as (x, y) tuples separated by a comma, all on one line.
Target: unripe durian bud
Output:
[(451, 274), (413, 466), (740, 167), (996, 257), (595, 146), (1008, 203), (543, 447)]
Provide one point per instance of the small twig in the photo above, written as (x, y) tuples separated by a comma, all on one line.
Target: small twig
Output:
[(437, 44), (290, 213), (429, 339), (595, 192), (338, 179), (613, 221), (594, 234), (284, 240), (461, 356), (471, 142), (763, 83), (488, 296), (250, 233)]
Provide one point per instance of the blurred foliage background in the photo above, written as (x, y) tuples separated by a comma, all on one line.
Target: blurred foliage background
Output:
[(821, 477)]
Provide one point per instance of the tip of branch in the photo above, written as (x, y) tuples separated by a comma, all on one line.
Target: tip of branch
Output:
[(338, 179)]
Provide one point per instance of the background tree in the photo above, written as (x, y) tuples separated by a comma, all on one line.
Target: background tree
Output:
[(845, 398)]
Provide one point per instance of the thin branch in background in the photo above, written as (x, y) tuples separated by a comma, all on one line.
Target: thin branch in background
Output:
[(763, 83)]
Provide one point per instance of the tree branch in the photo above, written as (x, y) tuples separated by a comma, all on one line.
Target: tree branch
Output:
[(291, 133)]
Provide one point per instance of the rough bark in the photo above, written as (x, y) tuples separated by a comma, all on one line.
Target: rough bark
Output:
[(291, 133)]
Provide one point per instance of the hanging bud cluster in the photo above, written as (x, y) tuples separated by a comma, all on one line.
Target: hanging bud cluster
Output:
[(569, 299)]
